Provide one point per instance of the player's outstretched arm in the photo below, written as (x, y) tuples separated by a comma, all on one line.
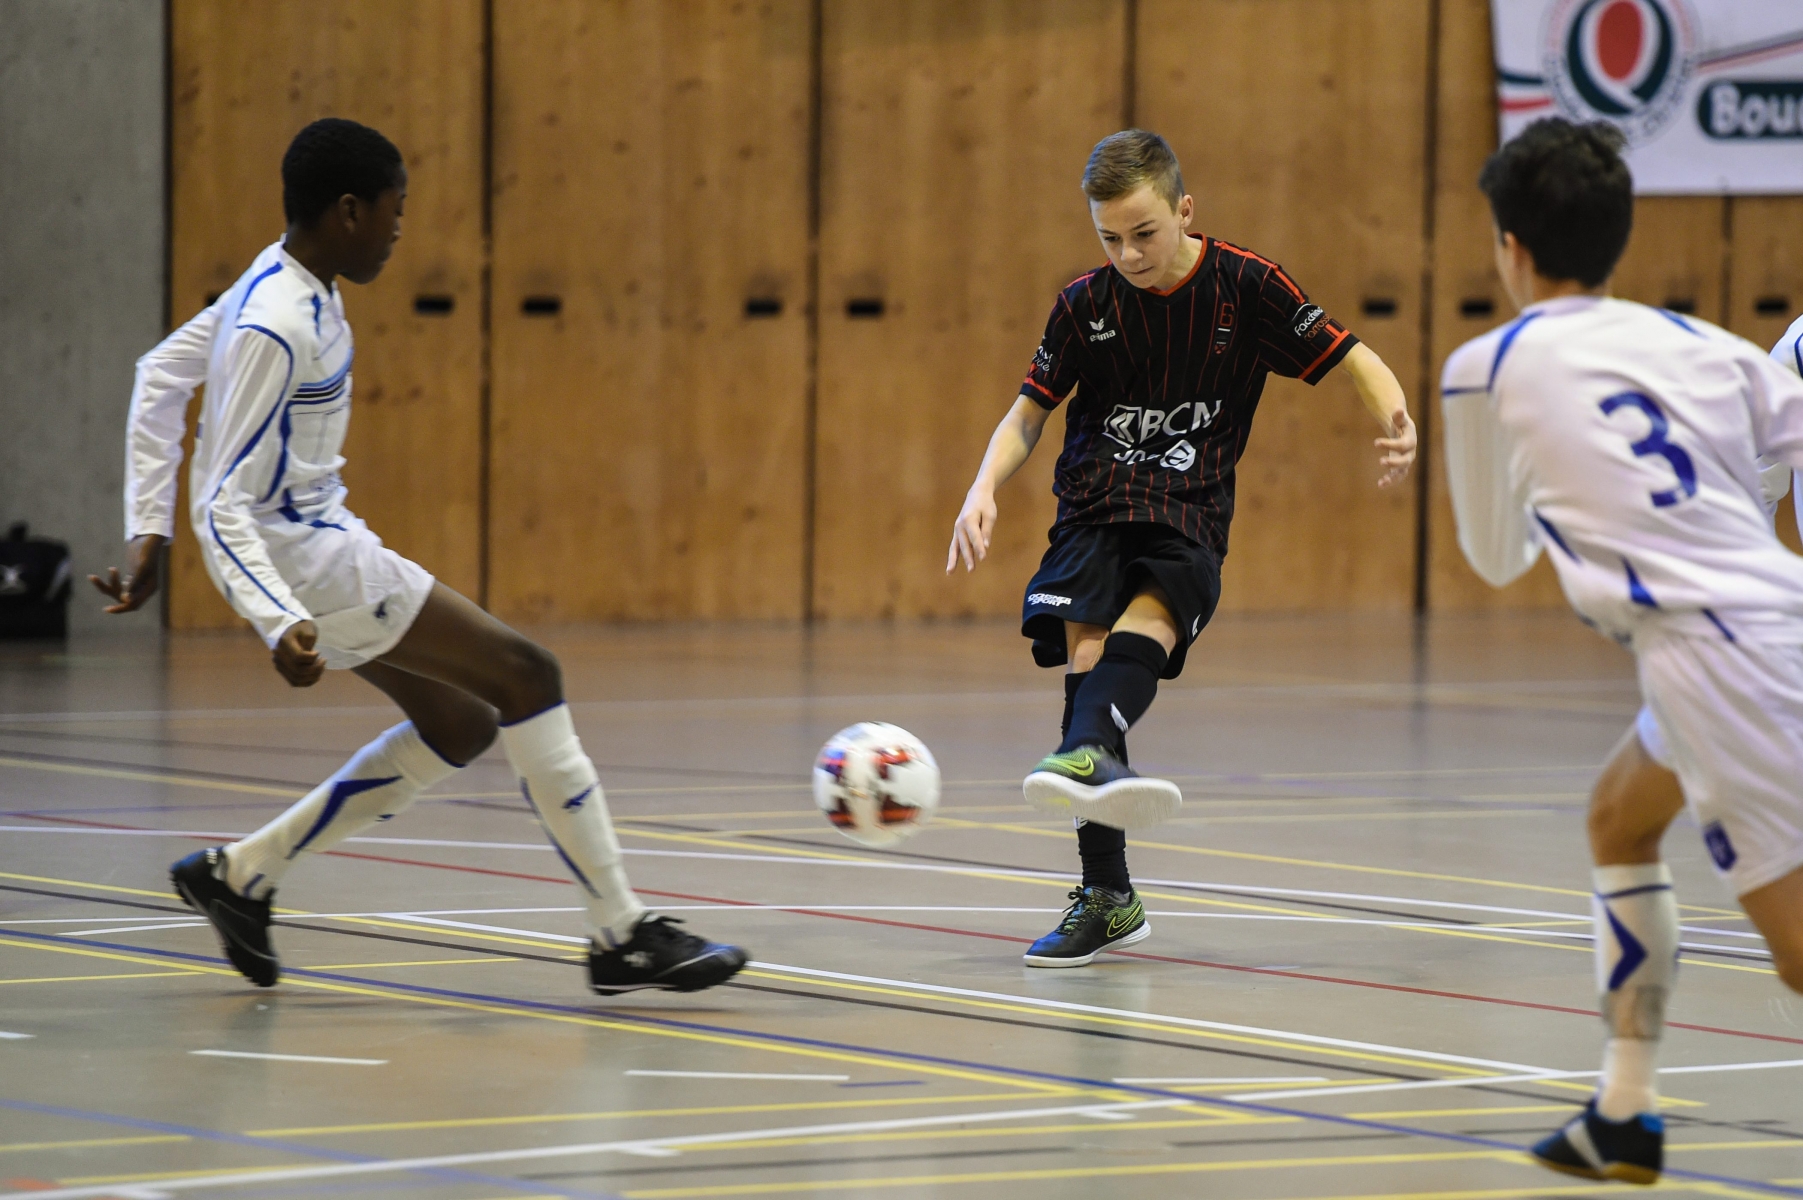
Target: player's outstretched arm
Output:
[(1009, 446), (1384, 400)]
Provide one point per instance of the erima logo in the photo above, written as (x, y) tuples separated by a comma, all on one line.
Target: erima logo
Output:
[(1048, 598), (1307, 319), (1101, 335)]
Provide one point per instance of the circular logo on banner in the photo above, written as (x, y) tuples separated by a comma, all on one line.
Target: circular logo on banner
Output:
[(1623, 61)]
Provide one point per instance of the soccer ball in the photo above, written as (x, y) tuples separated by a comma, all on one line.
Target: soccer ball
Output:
[(876, 783)]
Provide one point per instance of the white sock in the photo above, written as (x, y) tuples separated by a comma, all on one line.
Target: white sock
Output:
[(379, 781), (560, 782), (1636, 916)]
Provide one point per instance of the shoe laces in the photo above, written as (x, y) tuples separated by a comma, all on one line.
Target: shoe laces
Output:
[(663, 929), (1076, 914)]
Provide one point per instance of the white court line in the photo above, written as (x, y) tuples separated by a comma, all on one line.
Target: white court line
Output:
[(1416, 1085), (15, 1036), (111, 929), (306, 1058), (1191, 1081), (640, 1146), (738, 1075)]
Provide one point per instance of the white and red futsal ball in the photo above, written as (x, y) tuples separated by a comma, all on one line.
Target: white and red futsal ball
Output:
[(877, 783)]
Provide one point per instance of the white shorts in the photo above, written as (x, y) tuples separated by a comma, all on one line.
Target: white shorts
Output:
[(1730, 717), (363, 596)]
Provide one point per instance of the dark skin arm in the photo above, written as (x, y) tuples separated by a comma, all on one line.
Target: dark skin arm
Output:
[(143, 574)]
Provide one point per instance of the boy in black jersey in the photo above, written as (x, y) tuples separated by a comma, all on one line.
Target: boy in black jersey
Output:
[(1162, 354)]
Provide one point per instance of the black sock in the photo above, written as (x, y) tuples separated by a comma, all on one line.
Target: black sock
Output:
[(1103, 849), (1072, 682), (1116, 693)]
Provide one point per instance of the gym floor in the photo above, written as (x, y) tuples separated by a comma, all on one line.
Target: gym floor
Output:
[(1413, 797)]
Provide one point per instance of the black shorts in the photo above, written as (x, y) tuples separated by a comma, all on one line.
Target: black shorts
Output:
[(1090, 573)]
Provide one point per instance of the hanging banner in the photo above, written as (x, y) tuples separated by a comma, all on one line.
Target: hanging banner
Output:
[(1708, 92)]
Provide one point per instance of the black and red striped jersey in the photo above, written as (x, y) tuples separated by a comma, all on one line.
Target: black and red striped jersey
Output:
[(1167, 382)]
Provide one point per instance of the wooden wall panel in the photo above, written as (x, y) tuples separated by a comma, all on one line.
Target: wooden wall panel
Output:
[(245, 79), (1464, 282), (650, 171), (1765, 289), (1311, 152), (954, 138)]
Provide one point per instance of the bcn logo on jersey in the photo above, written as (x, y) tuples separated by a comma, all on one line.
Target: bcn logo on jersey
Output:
[(1625, 61), (1133, 427)]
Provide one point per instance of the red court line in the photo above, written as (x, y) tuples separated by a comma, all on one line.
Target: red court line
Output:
[(1003, 937)]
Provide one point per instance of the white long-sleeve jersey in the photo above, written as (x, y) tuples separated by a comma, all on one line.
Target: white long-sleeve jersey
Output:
[(277, 351), (1628, 438)]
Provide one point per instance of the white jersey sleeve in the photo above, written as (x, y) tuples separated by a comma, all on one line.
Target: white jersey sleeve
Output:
[(1788, 353), (1775, 400), (165, 381), (1491, 508), (252, 388)]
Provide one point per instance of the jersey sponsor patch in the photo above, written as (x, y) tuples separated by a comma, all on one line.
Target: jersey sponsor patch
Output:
[(1049, 599)]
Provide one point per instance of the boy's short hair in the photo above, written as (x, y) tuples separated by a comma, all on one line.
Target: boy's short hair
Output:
[(1565, 193), (332, 158), (1124, 161)]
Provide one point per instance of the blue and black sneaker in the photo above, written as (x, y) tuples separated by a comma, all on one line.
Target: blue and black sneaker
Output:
[(1593, 1147), (663, 957), (1093, 784), (242, 924), (1098, 919)]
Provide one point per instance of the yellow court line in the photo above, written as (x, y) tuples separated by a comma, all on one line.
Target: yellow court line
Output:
[(427, 962), (873, 1058), (87, 1142), (98, 887), (1401, 1114), (626, 1114), (150, 1177), (1334, 866), (216, 785), (89, 978), (1112, 1170), (914, 1135)]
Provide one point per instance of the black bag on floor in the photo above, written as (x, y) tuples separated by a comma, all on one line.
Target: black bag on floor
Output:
[(34, 586)]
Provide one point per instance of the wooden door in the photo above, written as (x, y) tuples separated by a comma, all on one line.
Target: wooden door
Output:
[(1301, 127), (649, 411), (245, 79), (952, 146)]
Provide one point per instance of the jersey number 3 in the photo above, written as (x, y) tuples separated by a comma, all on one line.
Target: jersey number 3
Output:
[(1654, 443)]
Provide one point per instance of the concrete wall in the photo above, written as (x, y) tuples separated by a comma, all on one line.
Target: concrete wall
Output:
[(81, 266)]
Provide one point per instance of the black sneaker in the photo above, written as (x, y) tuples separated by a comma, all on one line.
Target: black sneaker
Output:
[(1092, 784), (662, 956), (1097, 920), (1593, 1147), (242, 924)]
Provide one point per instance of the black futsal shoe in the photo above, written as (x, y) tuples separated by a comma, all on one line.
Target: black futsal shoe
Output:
[(1097, 920), (661, 956), (1093, 784), (1593, 1147), (242, 924)]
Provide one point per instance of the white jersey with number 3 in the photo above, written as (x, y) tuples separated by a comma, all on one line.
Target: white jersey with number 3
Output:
[(1624, 441)]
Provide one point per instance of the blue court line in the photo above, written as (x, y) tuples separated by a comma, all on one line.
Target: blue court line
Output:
[(1078, 1081)]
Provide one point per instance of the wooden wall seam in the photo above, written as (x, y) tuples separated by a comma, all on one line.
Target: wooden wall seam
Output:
[(1129, 61), (1424, 421), (486, 288), (811, 382)]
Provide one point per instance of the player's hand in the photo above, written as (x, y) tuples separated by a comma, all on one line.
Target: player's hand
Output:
[(1396, 454), (144, 561), (974, 527), (295, 659)]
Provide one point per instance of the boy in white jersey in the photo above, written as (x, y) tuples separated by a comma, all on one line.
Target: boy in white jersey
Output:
[(1625, 442), (267, 506)]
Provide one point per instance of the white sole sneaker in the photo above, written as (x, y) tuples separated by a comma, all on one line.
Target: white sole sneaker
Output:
[(1138, 935), (1124, 804)]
